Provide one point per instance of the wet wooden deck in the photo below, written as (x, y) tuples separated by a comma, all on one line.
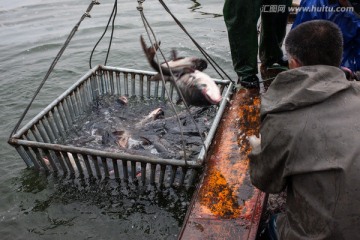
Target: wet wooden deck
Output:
[(226, 205)]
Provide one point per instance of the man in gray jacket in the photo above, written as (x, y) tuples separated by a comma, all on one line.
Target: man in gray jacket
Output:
[(310, 139)]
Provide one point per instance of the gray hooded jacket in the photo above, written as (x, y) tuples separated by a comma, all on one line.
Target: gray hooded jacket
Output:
[(310, 144)]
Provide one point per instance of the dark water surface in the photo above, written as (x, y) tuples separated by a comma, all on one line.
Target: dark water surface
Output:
[(33, 206)]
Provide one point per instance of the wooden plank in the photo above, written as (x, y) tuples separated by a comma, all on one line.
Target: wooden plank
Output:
[(226, 205)]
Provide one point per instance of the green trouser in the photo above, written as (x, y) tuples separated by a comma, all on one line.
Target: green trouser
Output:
[(241, 17)]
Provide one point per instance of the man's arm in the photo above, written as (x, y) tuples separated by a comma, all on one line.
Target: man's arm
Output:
[(268, 158)]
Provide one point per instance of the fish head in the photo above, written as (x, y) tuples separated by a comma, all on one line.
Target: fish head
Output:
[(208, 88), (200, 64), (122, 100), (157, 114)]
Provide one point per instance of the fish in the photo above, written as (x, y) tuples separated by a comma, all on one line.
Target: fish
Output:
[(122, 100), (197, 88), (124, 139), (155, 114)]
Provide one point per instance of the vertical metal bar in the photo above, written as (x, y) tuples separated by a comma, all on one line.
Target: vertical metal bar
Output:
[(82, 93), (47, 130), (51, 160), (70, 106), (126, 84), (112, 86), (51, 121), (156, 90), (96, 164), (74, 104), (192, 174), (162, 174), (143, 172), (141, 94), (90, 91), (86, 90), (102, 82), (106, 82), (31, 156), (41, 131), (24, 156), (50, 128), (171, 92), (125, 170), (106, 167), (61, 161), (78, 164), (67, 114), (182, 177), (78, 101), (172, 175), (87, 164), (118, 84), (33, 130), (133, 93), (68, 162), (54, 112), (95, 87), (116, 169), (62, 118), (148, 82), (40, 158), (133, 170), (163, 91), (152, 173)]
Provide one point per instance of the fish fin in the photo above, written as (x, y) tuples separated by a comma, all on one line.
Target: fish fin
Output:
[(146, 141), (149, 52), (158, 77)]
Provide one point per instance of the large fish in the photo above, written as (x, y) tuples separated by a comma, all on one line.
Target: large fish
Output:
[(197, 88), (185, 62)]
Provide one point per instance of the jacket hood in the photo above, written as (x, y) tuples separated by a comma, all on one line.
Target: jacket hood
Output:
[(301, 87)]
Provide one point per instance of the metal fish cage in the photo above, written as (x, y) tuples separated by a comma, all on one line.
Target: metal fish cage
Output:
[(36, 141)]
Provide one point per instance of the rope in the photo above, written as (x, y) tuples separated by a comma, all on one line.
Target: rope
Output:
[(147, 26), (112, 16), (206, 55), (53, 64)]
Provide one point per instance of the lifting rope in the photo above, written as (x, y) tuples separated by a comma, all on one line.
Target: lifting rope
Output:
[(206, 55), (112, 16), (53, 64), (147, 28)]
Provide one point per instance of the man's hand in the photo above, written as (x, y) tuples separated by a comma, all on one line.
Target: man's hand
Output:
[(254, 141)]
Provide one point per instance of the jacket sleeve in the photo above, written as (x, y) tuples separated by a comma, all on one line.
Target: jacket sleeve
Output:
[(268, 161)]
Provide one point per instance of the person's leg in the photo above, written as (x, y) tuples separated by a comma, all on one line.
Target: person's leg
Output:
[(273, 30), (241, 18)]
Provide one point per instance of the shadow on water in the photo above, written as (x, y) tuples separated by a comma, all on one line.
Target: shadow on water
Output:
[(80, 205)]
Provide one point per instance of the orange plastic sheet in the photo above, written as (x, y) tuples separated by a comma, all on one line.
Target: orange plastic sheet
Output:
[(226, 205)]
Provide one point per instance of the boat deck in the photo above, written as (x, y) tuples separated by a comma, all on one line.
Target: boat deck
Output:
[(226, 205)]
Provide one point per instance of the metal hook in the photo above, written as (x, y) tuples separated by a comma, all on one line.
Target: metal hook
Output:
[(140, 7)]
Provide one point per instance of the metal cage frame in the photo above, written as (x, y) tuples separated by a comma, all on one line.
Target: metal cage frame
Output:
[(36, 140)]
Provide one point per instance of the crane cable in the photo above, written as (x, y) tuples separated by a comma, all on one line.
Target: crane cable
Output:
[(112, 16)]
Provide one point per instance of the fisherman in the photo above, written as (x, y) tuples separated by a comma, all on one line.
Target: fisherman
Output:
[(310, 139), (345, 14), (241, 17)]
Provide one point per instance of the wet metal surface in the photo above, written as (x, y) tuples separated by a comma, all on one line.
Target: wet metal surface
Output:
[(226, 205)]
